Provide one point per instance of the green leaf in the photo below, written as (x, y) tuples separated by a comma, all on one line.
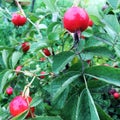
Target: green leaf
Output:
[(46, 118), (65, 85), (99, 51), (38, 45), (51, 27), (65, 3), (61, 83), (35, 101), (101, 37), (117, 49), (88, 32), (80, 107), (5, 58), (5, 48), (53, 36), (77, 67), (93, 84), (15, 58), (3, 77), (70, 107), (61, 99), (4, 114), (86, 109), (105, 73), (113, 3), (96, 20), (51, 5), (20, 116), (109, 20), (60, 60), (102, 114)]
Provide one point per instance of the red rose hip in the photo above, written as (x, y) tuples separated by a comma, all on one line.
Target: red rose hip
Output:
[(42, 75), (18, 19), (88, 61), (116, 95), (42, 59), (19, 104), (46, 52), (18, 69), (75, 19), (9, 91), (90, 23), (25, 46)]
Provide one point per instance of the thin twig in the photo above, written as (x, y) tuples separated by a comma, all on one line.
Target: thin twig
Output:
[(22, 11), (32, 6)]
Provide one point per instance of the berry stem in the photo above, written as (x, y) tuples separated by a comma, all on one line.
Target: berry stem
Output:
[(26, 88), (32, 6), (19, 6), (76, 43)]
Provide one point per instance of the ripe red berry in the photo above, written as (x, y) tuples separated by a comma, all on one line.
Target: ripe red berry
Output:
[(25, 46), (88, 61), (90, 23), (9, 91), (18, 69), (42, 59), (46, 52), (19, 104), (42, 75), (116, 95), (18, 19), (75, 19)]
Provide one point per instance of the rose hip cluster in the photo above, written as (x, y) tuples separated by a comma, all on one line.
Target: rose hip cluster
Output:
[(20, 104), (76, 19), (18, 19), (114, 93)]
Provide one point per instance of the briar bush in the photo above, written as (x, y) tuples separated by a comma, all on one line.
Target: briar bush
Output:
[(59, 59)]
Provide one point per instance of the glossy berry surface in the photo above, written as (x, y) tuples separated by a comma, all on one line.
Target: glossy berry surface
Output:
[(18, 69), (75, 19), (19, 104), (18, 19), (25, 46), (9, 91), (90, 23), (42, 75), (116, 95), (46, 52)]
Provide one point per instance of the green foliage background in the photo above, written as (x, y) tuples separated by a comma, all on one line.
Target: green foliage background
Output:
[(72, 88)]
